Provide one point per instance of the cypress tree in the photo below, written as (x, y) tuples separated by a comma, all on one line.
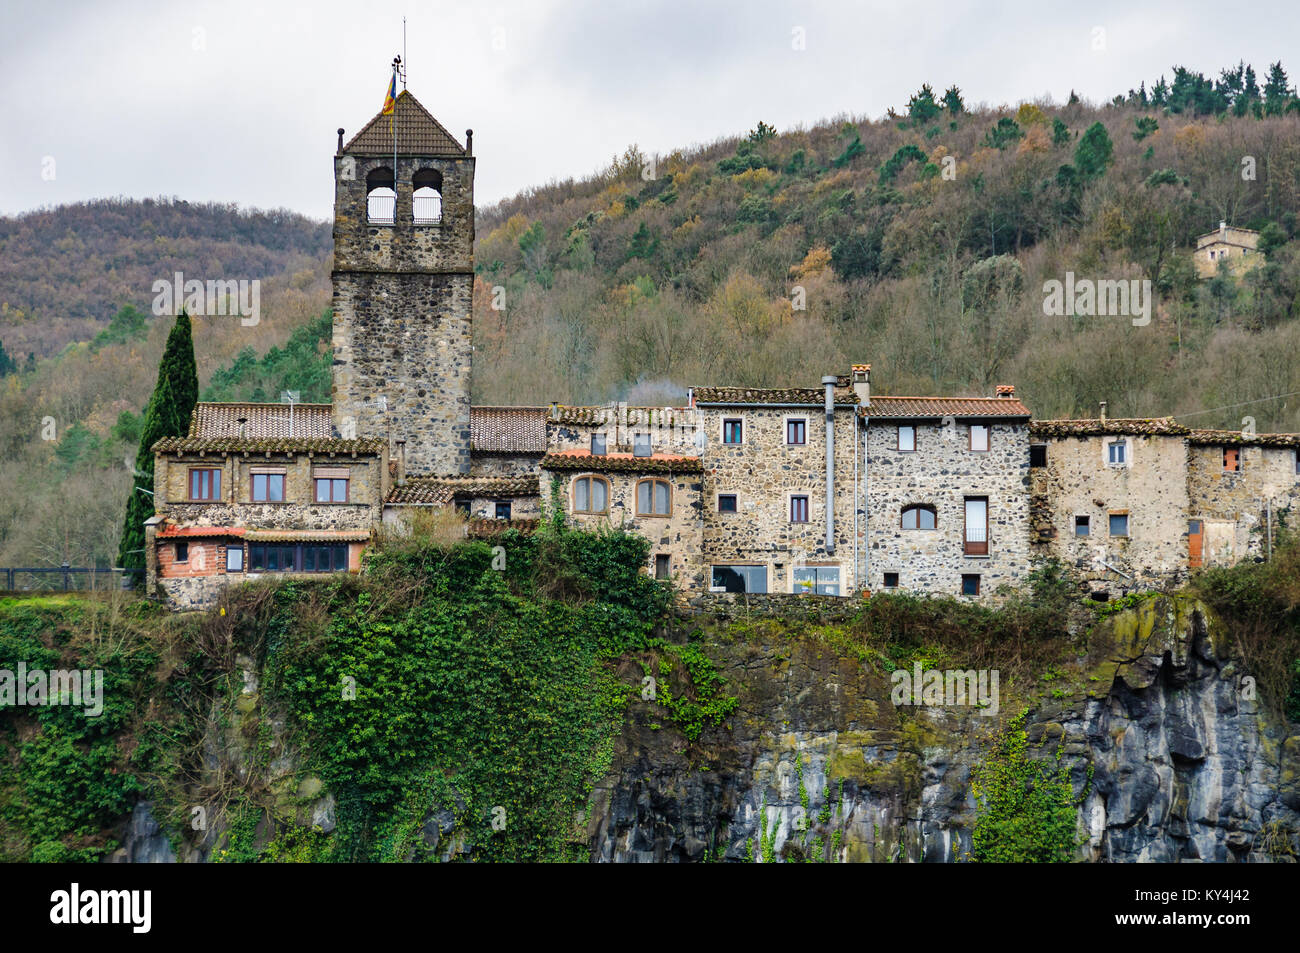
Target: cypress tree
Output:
[(167, 415)]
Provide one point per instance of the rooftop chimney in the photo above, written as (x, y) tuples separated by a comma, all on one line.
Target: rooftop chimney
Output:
[(862, 383), (1223, 229), (469, 142), (1005, 390), (243, 424), (401, 463), (340, 138), (1103, 411)]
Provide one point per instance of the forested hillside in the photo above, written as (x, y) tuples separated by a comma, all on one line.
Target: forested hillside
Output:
[(919, 242), (64, 272)]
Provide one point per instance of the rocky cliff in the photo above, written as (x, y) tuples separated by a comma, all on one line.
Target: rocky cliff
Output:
[(1169, 751), (1167, 745)]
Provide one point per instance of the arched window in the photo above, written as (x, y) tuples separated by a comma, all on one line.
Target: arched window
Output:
[(654, 498), (919, 517), (426, 202), (590, 495), (381, 200)]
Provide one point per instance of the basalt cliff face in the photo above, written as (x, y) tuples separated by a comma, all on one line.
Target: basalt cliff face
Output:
[(1168, 746), (1166, 743)]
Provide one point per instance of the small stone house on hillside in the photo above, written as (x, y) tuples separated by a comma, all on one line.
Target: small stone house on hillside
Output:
[(1227, 247)]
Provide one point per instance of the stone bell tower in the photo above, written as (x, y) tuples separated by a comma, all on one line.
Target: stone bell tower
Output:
[(403, 280)]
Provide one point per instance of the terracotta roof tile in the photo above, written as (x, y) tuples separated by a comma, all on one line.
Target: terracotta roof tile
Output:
[(482, 528), (1236, 437), (916, 407), (1095, 427), (507, 429), (307, 535), (171, 531), (800, 396), (624, 462), (418, 133), (441, 491), (263, 420), (366, 447), (607, 413)]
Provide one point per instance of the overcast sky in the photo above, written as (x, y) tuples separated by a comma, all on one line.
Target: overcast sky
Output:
[(237, 101)]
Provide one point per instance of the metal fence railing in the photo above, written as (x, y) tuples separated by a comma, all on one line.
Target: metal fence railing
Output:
[(65, 578)]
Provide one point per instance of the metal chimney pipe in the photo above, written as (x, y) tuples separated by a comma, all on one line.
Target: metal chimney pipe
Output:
[(829, 383), (401, 462)]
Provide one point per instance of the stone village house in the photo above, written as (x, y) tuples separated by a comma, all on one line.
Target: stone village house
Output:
[(828, 489)]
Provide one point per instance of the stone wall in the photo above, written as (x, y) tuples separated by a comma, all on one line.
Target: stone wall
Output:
[(764, 472), (671, 429), (678, 535), (1233, 505), (366, 487), (941, 473), (503, 464), (405, 338), (1151, 488)]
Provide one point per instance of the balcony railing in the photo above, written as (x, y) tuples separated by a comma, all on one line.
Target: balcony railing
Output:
[(381, 209), (426, 209)]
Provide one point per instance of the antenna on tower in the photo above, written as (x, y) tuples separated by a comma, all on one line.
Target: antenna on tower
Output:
[(403, 52)]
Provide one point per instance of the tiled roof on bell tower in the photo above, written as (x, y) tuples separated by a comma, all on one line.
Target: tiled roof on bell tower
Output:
[(418, 133)]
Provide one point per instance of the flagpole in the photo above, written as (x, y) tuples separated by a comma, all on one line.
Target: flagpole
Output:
[(392, 124)]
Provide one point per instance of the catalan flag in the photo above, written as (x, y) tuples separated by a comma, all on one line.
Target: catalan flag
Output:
[(390, 100)]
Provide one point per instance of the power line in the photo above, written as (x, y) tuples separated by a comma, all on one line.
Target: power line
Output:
[(1244, 403)]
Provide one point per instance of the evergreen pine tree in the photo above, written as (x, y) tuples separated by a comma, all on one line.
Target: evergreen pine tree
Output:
[(1094, 152), (167, 415)]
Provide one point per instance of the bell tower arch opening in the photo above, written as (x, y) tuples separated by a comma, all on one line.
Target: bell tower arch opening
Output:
[(381, 199), (426, 197)]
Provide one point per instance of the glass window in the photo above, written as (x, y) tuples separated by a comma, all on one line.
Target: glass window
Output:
[(598, 445), (891, 580), (919, 517), (1082, 526), (590, 495), (798, 509), (733, 431), (726, 502), (268, 487), (796, 432), (1119, 524), (1115, 452), (979, 437), (977, 526), (205, 484), (653, 498), (970, 585), (234, 557), (182, 552), (642, 446), (822, 580), (331, 490), (906, 438), (503, 510), (740, 578)]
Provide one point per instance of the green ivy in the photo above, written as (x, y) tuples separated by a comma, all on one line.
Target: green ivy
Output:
[(1027, 809)]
